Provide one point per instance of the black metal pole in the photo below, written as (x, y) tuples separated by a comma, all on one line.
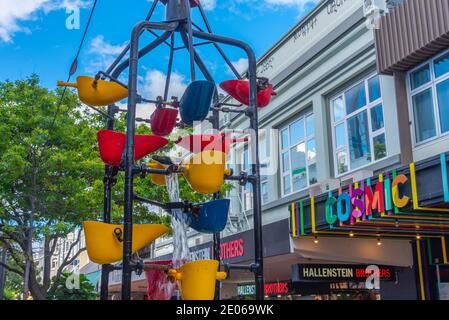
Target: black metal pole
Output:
[(126, 49), (198, 59), (189, 30), (133, 99), (255, 180), (107, 205), (129, 162), (219, 49), (217, 239), (169, 27), (170, 64)]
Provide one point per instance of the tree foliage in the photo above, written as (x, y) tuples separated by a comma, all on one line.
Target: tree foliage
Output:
[(71, 286)]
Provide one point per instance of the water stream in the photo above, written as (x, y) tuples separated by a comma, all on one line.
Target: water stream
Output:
[(180, 244), (181, 253)]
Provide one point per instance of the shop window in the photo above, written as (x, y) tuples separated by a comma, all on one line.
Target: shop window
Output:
[(298, 155), (358, 128), (264, 162), (245, 161), (428, 87)]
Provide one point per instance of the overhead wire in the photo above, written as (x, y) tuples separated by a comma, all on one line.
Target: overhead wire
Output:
[(73, 67)]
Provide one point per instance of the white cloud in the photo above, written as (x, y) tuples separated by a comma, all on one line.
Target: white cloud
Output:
[(208, 4), (300, 4), (241, 65), (13, 13), (103, 53), (153, 84)]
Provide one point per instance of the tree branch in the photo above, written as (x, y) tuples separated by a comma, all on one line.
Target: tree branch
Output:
[(11, 269)]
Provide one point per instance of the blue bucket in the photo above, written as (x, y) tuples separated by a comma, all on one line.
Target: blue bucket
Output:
[(196, 101), (211, 217)]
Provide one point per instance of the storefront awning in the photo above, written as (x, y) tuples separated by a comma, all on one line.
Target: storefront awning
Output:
[(409, 202), (353, 251), (411, 33)]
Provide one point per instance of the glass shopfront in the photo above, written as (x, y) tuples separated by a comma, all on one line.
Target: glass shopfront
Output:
[(280, 290), (339, 282)]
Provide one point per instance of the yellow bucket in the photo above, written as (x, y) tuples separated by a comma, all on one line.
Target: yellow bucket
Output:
[(101, 93), (205, 171), (157, 179), (103, 247), (197, 279)]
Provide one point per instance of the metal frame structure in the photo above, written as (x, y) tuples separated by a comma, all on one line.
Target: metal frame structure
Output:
[(178, 21)]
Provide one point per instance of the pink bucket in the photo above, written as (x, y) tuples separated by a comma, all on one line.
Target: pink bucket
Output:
[(158, 286)]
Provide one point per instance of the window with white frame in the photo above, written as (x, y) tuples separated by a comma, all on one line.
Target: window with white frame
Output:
[(298, 154), (244, 156), (358, 129), (428, 87), (264, 162)]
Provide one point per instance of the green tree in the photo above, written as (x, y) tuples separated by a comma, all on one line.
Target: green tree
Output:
[(49, 170), (13, 286), (71, 286)]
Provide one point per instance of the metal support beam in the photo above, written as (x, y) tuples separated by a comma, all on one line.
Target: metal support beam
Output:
[(169, 68), (167, 27), (201, 65), (184, 27), (133, 99), (188, 29), (126, 49), (107, 206), (219, 49)]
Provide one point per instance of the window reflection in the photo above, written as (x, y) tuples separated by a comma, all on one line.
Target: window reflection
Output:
[(358, 119), (424, 116), (359, 140), (442, 66), (380, 147), (443, 104), (374, 88), (355, 98), (377, 118), (298, 154), (420, 77), (338, 108)]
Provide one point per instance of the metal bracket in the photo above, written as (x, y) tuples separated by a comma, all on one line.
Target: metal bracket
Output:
[(242, 178)]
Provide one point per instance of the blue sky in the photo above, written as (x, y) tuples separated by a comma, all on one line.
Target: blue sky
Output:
[(34, 37)]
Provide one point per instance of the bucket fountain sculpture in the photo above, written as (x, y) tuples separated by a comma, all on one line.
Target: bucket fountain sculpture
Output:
[(108, 243)]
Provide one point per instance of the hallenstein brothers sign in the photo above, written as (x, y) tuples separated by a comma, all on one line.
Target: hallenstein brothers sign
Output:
[(329, 273)]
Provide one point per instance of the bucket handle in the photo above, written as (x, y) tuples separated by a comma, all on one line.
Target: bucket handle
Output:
[(174, 275), (67, 84), (221, 275)]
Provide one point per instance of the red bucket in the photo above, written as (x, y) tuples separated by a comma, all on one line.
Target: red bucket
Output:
[(239, 89), (158, 286), (163, 120), (112, 144)]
